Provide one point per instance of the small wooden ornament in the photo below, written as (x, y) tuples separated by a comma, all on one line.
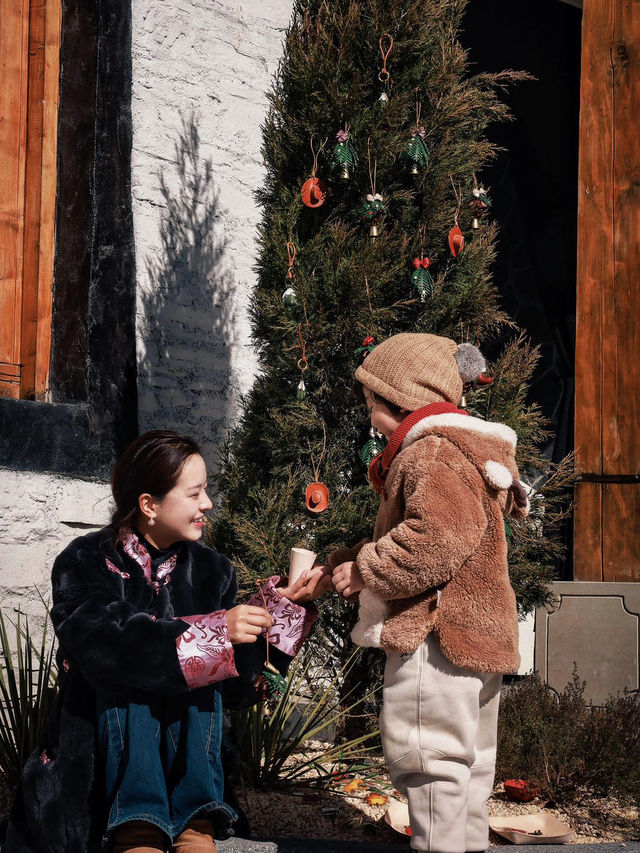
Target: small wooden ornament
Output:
[(317, 497), (314, 192), (456, 241)]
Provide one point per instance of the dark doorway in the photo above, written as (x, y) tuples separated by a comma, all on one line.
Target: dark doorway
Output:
[(534, 189), (533, 184)]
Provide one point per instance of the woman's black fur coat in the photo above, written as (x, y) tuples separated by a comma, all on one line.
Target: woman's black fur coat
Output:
[(108, 641)]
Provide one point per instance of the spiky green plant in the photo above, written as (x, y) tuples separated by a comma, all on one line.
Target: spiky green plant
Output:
[(271, 738), (28, 679)]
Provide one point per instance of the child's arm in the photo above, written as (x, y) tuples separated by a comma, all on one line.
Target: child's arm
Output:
[(443, 522)]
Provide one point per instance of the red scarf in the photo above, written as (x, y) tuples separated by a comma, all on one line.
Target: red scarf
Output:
[(380, 465)]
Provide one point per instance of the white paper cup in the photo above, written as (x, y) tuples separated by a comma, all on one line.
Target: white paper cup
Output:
[(300, 560)]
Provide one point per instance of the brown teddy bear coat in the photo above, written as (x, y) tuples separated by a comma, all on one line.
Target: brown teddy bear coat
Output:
[(438, 561)]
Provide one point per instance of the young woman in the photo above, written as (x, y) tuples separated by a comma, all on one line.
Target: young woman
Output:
[(150, 639)]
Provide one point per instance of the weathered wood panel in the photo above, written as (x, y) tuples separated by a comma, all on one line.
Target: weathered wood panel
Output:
[(607, 432), (621, 510), (51, 93), (32, 201), (587, 546), (14, 31), (29, 65), (621, 304)]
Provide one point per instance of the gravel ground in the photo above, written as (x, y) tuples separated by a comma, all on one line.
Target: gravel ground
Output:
[(346, 815), (296, 845), (343, 816)]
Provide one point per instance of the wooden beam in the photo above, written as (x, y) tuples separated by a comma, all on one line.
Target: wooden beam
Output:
[(588, 546), (33, 198), (14, 33), (621, 303), (53, 24), (607, 431), (594, 270), (621, 510)]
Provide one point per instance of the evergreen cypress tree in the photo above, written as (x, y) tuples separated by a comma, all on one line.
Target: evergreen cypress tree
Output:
[(411, 128)]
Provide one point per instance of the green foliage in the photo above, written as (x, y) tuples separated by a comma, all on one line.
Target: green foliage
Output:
[(271, 737), (349, 286), (27, 691), (566, 746)]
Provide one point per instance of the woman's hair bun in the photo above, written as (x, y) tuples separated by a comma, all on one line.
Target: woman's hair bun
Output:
[(470, 362)]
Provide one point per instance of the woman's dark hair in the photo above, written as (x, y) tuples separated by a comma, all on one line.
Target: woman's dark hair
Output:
[(151, 464), (358, 393)]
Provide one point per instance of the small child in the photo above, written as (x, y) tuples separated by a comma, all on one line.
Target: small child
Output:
[(433, 586)]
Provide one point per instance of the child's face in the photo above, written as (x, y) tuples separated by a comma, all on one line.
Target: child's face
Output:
[(382, 418), (180, 514)]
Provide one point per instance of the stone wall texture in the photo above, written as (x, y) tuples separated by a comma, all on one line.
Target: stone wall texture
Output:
[(39, 515)]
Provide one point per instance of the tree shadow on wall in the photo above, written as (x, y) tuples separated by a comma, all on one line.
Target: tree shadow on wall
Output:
[(186, 378)]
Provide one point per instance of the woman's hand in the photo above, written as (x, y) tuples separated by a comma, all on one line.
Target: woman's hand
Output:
[(245, 623), (347, 579), (312, 583)]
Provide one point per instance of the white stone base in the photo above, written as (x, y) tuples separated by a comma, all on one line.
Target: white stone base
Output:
[(39, 515)]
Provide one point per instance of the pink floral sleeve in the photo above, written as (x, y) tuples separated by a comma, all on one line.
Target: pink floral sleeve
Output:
[(292, 623), (204, 650)]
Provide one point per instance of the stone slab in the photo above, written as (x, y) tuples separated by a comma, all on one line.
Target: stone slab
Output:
[(596, 628)]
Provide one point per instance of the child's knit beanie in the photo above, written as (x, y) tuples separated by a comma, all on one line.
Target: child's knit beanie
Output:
[(413, 370)]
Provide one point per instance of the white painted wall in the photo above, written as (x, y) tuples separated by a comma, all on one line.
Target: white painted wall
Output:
[(213, 59)]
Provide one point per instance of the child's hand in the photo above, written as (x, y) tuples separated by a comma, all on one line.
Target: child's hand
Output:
[(312, 583), (245, 623), (347, 579)]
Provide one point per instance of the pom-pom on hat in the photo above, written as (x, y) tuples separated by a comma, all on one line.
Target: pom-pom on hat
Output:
[(413, 370)]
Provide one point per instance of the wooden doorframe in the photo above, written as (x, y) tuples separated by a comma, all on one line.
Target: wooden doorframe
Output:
[(607, 410)]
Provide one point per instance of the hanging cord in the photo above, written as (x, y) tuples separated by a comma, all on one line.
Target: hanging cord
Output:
[(372, 178), (302, 361), (366, 284), (458, 194), (316, 154), (422, 233), (316, 468), (264, 603), (291, 254), (384, 75)]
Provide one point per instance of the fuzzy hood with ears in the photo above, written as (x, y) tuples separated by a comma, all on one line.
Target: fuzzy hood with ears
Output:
[(438, 561), (489, 446)]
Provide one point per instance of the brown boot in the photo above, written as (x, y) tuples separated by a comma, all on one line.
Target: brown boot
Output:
[(196, 838), (138, 836)]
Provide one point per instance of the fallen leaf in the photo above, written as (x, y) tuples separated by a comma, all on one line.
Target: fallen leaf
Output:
[(377, 799), (354, 785)]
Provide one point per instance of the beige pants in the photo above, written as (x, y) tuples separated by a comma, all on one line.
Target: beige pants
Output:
[(438, 726)]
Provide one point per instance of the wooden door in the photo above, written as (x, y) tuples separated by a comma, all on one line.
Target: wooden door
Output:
[(29, 85), (607, 431)]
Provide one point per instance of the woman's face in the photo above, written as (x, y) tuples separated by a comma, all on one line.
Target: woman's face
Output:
[(382, 418), (180, 514)]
